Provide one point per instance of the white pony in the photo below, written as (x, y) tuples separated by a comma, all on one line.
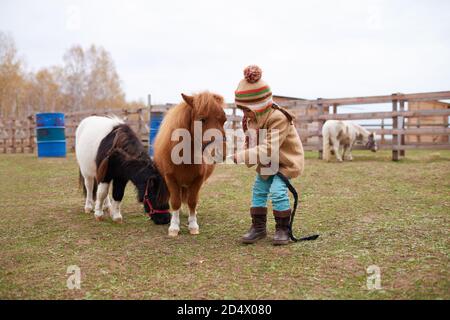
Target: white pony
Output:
[(340, 136), (88, 136)]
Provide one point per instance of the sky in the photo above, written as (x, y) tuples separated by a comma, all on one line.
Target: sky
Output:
[(307, 49)]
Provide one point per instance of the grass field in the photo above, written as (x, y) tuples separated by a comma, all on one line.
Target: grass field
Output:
[(368, 212)]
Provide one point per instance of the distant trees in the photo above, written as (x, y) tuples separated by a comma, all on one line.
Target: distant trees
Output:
[(11, 75), (91, 80), (87, 80)]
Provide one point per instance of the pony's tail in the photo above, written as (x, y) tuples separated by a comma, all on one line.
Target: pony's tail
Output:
[(325, 146), (102, 169), (94, 190), (82, 185)]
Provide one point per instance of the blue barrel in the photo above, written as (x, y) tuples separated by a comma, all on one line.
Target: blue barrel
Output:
[(51, 139), (155, 121)]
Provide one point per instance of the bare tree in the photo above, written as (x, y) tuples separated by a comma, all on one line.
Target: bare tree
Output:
[(11, 76), (87, 80)]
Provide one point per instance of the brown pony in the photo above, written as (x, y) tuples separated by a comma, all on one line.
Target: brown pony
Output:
[(184, 180)]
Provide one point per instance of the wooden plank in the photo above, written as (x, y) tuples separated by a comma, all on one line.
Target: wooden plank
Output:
[(424, 146), (89, 112), (427, 96), (309, 133), (376, 115), (413, 131), (437, 146), (313, 147)]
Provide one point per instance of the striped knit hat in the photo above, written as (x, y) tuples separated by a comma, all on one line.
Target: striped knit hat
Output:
[(252, 92)]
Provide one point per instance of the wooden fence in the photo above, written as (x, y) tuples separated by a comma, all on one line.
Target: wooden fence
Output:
[(321, 110), (18, 136)]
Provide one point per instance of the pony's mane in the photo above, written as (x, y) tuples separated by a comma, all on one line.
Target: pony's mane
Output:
[(180, 116), (121, 142), (135, 158), (360, 129), (116, 119), (127, 140)]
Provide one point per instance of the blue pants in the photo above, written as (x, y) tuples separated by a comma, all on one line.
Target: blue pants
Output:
[(276, 188)]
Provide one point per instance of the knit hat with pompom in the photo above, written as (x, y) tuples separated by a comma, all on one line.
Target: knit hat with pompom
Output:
[(252, 92)]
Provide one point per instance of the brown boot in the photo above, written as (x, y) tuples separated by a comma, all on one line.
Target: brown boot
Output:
[(258, 229), (282, 219)]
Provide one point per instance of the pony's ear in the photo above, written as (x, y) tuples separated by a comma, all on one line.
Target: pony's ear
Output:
[(218, 98), (188, 99)]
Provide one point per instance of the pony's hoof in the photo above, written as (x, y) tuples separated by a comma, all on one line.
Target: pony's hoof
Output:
[(99, 218), (88, 210), (118, 220), (194, 231), (173, 233)]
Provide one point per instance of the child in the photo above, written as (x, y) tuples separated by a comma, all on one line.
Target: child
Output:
[(254, 97)]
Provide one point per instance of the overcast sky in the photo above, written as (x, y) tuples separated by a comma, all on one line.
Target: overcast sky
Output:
[(306, 49)]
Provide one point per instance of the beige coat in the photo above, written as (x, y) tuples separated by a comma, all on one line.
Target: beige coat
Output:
[(280, 131)]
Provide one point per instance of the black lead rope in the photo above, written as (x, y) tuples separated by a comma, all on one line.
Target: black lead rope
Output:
[(291, 221)]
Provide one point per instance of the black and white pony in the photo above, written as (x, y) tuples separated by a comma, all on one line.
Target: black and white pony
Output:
[(108, 151)]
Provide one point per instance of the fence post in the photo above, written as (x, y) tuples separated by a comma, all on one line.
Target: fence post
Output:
[(2, 145), (150, 107), (319, 127), (402, 126), (335, 108), (22, 137), (33, 133), (13, 136), (233, 124), (140, 120), (419, 140), (30, 134), (395, 137), (75, 124), (234, 127)]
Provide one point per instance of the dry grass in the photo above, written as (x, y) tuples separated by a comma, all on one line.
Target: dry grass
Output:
[(370, 211)]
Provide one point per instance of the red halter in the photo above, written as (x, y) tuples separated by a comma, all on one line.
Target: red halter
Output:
[(152, 210)]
